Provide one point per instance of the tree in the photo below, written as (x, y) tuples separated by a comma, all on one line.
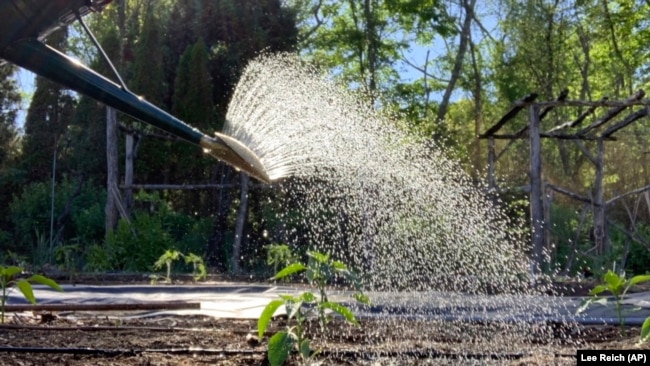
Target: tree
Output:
[(9, 177), (48, 116)]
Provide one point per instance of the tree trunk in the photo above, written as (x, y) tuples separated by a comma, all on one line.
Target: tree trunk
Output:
[(460, 56), (112, 167), (372, 44), (112, 176), (239, 224), (128, 172)]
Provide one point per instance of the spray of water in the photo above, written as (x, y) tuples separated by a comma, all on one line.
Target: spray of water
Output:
[(368, 192), (379, 199)]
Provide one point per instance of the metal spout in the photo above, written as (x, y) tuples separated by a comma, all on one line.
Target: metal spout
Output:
[(43, 60), (233, 152)]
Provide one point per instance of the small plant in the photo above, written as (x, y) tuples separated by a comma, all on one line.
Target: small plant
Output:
[(278, 256), (166, 260), (8, 282), (170, 256), (319, 270), (618, 286), (645, 331), (65, 256), (198, 267)]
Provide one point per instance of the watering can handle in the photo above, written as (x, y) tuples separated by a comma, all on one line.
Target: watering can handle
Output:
[(46, 61)]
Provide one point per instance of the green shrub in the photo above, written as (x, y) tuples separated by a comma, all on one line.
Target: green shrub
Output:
[(31, 215), (154, 229), (136, 246)]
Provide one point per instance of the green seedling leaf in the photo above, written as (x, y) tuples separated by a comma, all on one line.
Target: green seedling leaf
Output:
[(584, 304), (266, 316), (293, 308), (598, 289), (279, 347), (339, 266), (341, 310), (305, 350), (289, 298), (307, 297), (26, 288), (319, 257), (601, 301), (587, 302), (614, 282), (645, 330), (362, 298), (9, 272), (45, 281), (289, 270), (639, 279)]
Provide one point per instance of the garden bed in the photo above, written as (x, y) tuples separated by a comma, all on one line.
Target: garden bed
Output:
[(48, 339), (135, 337)]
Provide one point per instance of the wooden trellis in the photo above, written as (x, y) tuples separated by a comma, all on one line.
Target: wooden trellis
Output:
[(599, 130)]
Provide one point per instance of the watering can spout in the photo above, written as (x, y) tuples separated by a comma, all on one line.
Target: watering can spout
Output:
[(43, 60)]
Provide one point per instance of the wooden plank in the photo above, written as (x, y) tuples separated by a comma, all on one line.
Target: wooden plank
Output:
[(519, 105)]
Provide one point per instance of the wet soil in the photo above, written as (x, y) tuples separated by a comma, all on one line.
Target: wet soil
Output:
[(69, 339), (109, 338)]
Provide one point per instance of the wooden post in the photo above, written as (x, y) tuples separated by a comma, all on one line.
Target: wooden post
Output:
[(600, 236), (128, 172), (112, 168), (551, 249), (536, 205), (490, 167)]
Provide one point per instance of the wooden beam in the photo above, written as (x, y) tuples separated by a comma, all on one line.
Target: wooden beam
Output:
[(612, 112), (570, 194), (519, 105), (638, 190), (579, 119), (178, 186), (598, 103), (625, 122), (561, 97), (560, 136)]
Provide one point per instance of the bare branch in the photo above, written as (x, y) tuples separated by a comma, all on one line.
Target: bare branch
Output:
[(422, 70)]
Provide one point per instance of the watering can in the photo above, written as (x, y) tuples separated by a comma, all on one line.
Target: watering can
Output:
[(25, 23)]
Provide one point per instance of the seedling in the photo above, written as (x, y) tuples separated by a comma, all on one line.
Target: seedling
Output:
[(65, 255), (198, 267), (278, 255), (645, 331), (618, 286), (170, 256), (8, 282), (166, 260), (319, 270)]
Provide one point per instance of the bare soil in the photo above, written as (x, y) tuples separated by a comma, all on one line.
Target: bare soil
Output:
[(101, 339), (48, 339)]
